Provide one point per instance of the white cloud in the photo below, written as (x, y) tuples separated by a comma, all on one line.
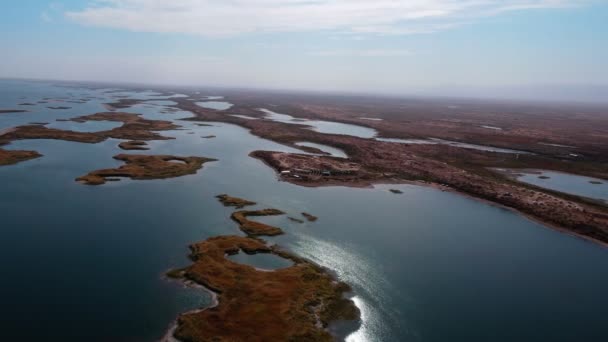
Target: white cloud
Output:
[(217, 18)]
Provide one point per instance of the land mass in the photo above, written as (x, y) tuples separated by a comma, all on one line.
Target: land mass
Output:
[(8, 111), (9, 157), (290, 304), (236, 202), (296, 303), (253, 228), (146, 167), (468, 171)]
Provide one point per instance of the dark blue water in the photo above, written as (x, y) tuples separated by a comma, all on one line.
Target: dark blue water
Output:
[(87, 263)]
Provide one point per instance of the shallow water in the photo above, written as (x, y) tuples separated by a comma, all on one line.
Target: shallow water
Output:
[(87, 263), (328, 127), (568, 183)]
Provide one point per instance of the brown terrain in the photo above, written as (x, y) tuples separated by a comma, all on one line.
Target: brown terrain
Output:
[(134, 127), (146, 167), (8, 157), (309, 217), (296, 303), (562, 138), (236, 202), (134, 145), (253, 228)]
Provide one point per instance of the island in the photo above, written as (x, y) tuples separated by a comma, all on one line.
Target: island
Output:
[(134, 145), (296, 303), (9, 157), (146, 167), (236, 202), (254, 228), (8, 111)]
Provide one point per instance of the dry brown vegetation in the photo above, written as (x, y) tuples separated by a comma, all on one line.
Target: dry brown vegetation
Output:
[(253, 228), (528, 127), (134, 145), (8, 157), (230, 201), (146, 167), (290, 304), (134, 128)]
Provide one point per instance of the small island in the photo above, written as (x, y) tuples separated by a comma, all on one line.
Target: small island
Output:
[(146, 167), (253, 228), (309, 217), (134, 145), (9, 157), (236, 202), (8, 111)]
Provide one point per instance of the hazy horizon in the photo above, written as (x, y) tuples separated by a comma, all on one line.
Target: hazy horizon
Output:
[(548, 50)]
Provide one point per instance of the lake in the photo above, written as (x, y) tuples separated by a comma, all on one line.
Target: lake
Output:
[(328, 127), (564, 182), (87, 263)]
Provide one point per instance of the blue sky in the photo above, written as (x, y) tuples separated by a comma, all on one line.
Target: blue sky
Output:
[(385, 46)]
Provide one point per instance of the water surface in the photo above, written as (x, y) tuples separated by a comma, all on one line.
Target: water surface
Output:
[(87, 126), (328, 127), (86, 263), (565, 182), (217, 105)]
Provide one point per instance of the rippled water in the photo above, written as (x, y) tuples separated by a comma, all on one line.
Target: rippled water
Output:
[(87, 263)]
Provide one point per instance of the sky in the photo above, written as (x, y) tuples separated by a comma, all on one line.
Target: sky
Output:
[(546, 49)]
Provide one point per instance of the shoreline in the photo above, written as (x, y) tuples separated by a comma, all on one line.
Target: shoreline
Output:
[(168, 336), (444, 188)]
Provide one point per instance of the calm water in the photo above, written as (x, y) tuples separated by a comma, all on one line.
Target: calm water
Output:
[(86, 263), (568, 183), (328, 127), (87, 126), (217, 105)]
